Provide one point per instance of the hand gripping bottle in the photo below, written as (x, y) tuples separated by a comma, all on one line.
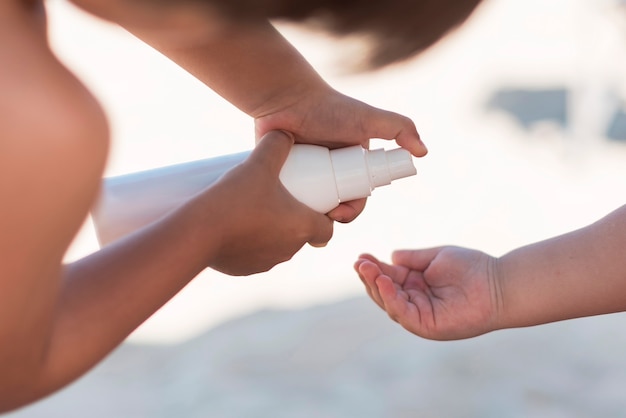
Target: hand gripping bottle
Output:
[(316, 176)]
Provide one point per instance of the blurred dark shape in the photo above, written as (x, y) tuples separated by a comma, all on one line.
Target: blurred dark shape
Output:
[(617, 127), (528, 106)]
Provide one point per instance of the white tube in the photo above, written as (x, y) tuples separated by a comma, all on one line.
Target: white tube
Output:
[(316, 176)]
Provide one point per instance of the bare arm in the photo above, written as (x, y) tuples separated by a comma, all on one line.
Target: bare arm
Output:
[(71, 316), (57, 321), (447, 293), (256, 69), (578, 274), (252, 66)]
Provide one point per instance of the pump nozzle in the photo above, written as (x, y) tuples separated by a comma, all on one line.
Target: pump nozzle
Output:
[(400, 163), (359, 171), (387, 166)]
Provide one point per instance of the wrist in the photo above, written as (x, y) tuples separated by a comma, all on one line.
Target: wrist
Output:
[(199, 229), (524, 299), (499, 284), (290, 94)]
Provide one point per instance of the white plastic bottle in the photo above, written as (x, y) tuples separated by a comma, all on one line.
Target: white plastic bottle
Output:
[(316, 176)]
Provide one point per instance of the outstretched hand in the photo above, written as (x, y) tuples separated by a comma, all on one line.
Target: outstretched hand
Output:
[(443, 293), (323, 116)]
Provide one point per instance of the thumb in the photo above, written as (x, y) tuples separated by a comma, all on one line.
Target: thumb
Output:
[(415, 259), (391, 125), (322, 230), (272, 150)]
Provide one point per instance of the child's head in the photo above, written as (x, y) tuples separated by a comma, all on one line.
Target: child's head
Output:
[(395, 29)]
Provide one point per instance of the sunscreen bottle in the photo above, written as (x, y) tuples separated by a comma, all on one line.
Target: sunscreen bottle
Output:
[(316, 176)]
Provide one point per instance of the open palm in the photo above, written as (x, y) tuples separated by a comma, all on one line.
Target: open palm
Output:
[(440, 293)]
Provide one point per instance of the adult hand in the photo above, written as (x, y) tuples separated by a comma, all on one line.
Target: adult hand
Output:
[(260, 224)]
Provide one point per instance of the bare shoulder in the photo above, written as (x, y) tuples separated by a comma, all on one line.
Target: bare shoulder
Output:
[(53, 133)]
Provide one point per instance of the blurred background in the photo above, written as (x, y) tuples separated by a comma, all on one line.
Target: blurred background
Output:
[(523, 111)]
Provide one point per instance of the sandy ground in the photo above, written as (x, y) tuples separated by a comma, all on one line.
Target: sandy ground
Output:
[(301, 340), (347, 359)]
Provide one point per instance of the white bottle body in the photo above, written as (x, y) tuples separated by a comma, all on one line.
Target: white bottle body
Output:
[(308, 175), (314, 175)]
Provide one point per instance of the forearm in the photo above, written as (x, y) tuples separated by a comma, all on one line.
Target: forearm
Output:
[(578, 274), (245, 223), (107, 295), (251, 66)]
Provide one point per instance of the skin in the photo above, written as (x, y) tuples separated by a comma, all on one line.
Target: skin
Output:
[(449, 293), (256, 69), (58, 320)]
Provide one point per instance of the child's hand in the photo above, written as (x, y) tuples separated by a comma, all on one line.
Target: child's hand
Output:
[(323, 116), (441, 293), (259, 224)]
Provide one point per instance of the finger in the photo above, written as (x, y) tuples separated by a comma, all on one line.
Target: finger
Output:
[(321, 230), (390, 125), (413, 311), (393, 301), (273, 149), (356, 266), (370, 272), (368, 290), (415, 259), (348, 211), (410, 140), (392, 271)]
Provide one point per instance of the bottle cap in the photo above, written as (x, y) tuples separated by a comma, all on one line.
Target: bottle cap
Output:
[(386, 166)]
